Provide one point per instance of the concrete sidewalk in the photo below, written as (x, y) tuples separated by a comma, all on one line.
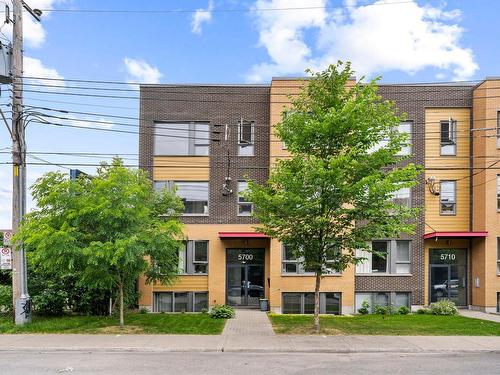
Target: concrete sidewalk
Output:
[(256, 344)]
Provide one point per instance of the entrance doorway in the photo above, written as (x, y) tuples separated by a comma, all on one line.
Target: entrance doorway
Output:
[(245, 277), (448, 275)]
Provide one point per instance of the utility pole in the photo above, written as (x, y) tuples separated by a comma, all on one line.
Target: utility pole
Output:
[(21, 298)]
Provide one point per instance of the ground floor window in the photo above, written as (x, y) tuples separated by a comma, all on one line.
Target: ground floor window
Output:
[(303, 303), (498, 302), (396, 299), (180, 301)]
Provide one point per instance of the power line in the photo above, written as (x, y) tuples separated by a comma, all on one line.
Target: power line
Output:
[(215, 10)]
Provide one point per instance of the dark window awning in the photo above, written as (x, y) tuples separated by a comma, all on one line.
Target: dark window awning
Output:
[(455, 235), (242, 235)]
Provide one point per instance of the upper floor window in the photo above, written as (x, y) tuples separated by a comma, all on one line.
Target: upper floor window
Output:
[(448, 137), (185, 138), (448, 197), (498, 192), (245, 208), (498, 129), (405, 127), (402, 197), (193, 257), (391, 256), (194, 194), (246, 137)]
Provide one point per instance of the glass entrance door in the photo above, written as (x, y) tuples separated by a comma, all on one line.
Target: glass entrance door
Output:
[(245, 276), (448, 276)]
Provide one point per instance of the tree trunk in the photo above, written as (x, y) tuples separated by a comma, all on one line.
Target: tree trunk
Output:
[(122, 321), (316, 303)]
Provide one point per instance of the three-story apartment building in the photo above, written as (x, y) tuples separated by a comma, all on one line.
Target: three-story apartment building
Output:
[(209, 140)]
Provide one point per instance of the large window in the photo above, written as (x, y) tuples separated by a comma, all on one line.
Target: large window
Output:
[(402, 197), (246, 138), (448, 137), (391, 256), (245, 208), (186, 138), (193, 257), (194, 195), (291, 264), (180, 301), (396, 299), (447, 197), (405, 127), (498, 255), (303, 303)]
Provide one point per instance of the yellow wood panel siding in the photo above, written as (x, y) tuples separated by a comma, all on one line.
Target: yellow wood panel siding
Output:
[(280, 101), (185, 283), (433, 159), (181, 168)]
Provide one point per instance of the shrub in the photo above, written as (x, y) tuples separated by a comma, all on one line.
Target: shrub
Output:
[(422, 311), (444, 307), (143, 310), (50, 301), (381, 310), (403, 310), (204, 310), (365, 308), (222, 312), (6, 299)]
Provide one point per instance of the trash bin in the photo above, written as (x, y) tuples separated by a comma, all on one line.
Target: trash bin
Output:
[(264, 304)]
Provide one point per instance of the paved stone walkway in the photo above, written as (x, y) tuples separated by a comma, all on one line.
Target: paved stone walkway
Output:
[(479, 315), (248, 323)]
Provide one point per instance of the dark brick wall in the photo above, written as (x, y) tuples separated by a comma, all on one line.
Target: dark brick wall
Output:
[(219, 105), (413, 100)]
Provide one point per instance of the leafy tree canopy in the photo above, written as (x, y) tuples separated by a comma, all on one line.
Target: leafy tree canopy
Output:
[(107, 228), (333, 195)]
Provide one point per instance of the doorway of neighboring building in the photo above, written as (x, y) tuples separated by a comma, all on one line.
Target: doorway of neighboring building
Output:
[(244, 277)]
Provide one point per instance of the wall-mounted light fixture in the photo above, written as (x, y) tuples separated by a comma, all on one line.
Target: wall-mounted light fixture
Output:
[(432, 185)]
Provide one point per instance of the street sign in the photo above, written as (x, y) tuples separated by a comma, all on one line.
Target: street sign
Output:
[(7, 235), (6, 258)]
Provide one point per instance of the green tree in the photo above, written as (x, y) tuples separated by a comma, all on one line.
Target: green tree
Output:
[(107, 229), (334, 194)]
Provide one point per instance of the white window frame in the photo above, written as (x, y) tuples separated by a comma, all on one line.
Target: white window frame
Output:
[(246, 147), (498, 192), (299, 266), (452, 137), (207, 210), (365, 268), (189, 258), (370, 297), (498, 129), (402, 191), (191, 300), (407, 149), (240, 201), (443, 202), (198, 144), (322, 301)]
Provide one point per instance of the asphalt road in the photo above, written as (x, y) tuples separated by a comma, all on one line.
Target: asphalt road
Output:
[(147, 363)]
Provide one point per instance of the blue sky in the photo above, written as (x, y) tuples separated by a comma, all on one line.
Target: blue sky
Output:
[(406, 41)]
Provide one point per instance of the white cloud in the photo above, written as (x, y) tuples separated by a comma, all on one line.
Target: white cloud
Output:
[(140, 71), (201, 16), (33, 31), (375, 38), (35, 68)]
